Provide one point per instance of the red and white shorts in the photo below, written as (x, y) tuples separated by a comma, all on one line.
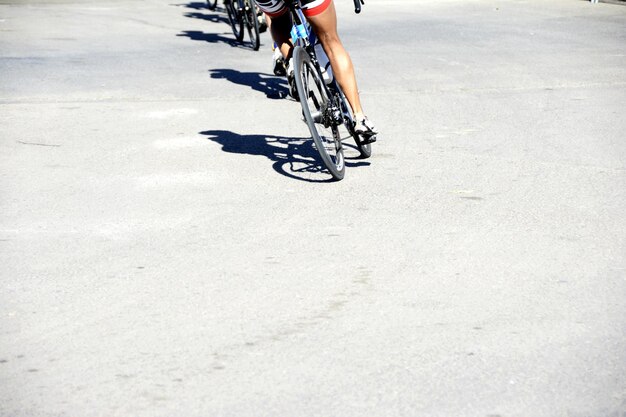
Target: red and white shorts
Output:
[(275, 8)]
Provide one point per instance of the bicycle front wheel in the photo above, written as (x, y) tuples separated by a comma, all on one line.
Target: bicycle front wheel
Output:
[(316, 108), (251, 18), (234, 17)]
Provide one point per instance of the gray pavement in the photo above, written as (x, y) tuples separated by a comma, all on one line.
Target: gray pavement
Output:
[(169, 247)]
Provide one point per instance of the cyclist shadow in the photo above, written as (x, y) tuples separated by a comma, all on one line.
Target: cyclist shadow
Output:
[(295, 158), (273, 87), (196, 35)]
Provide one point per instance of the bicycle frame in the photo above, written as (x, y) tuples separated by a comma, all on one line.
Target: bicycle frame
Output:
[(303, 35)]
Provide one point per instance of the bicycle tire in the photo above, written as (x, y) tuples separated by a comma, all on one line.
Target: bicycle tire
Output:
[(234, 17), (252, 23), (211, 4), (365, 149), (315, 102)]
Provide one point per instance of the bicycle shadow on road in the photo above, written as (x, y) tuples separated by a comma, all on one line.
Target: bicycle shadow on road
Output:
[(196, 35), (196, 5), (273, 87), (295, 158), (215, 18), (202, 14)]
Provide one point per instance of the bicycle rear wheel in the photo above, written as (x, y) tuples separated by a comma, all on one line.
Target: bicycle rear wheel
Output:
[(316, 108), (234, 17), (251, 18)]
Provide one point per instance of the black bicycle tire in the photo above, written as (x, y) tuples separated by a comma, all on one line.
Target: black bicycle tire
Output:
[(365, 149), (252, 23), (302, 58), (211, 4), (236, 22)]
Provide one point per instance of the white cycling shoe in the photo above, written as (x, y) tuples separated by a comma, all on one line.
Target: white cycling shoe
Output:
[(291, 80), (366, 129), (278, 64)]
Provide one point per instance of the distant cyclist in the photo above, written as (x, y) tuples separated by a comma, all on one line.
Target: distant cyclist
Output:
[(322, 16)]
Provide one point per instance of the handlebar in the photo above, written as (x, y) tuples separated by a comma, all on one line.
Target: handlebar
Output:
[(357, 5)]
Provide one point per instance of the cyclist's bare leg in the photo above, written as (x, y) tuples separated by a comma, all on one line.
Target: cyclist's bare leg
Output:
[(325, 27), (280, 29)]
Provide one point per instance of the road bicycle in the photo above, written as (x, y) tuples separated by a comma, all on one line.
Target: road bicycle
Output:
[(244, 13), (324, 105)]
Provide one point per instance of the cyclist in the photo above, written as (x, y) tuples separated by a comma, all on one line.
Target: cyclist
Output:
[(322, 16)]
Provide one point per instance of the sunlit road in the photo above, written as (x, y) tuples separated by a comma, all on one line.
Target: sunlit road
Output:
[(171, 247)]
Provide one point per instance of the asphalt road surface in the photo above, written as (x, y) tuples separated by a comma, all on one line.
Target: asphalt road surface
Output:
[(169, 245)]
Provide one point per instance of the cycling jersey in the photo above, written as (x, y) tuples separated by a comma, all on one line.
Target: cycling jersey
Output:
[(276, 8)]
